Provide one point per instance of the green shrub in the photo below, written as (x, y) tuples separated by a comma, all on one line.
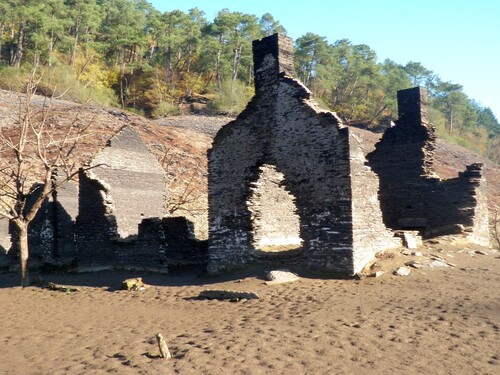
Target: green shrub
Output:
[(13, 79), (58, 81), (62, 82), (165, 108), (231, 99)]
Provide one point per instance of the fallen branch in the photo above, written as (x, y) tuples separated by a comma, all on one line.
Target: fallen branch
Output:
[(61, 288)]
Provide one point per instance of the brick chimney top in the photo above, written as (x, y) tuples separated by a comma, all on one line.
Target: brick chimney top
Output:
[(272, 56)]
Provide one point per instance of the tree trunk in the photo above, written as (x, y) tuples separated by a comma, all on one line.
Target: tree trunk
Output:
[(451, 121), (170, 78), (51, 48), (75, 43), (123, 80), (1, 34), (18, 55), (23, 253), (217, 70), (236, 60)]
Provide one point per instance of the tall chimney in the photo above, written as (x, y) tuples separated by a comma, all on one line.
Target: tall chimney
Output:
[(272, 57)]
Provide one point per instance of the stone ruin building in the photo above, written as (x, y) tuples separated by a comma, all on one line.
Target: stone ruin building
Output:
[(122, 203), (289, 180), (114, 219), (125, 185), (412, 196)]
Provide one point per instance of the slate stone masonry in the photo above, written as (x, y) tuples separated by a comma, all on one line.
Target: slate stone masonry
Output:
[(322, 165), (412, 196), (122, 202)]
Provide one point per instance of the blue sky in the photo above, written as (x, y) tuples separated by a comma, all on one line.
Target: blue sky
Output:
[(457, 39)]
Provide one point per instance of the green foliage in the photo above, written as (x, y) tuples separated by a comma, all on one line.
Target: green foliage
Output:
[(394, 78), (232, 98), (12, 78), (165, 108), (437, 118), (127, 52), (57, 81)]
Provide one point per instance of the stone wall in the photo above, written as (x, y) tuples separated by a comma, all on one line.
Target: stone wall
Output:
[(95, 224), (65, 201), (179, 244), (311, 150), (121, 202), (124, 186), (51, 233), (412, 196), (370, 235), (134, 179), (273, 209), (5, 244)]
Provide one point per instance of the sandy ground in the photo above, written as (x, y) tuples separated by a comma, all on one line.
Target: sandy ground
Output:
[(443, 320)]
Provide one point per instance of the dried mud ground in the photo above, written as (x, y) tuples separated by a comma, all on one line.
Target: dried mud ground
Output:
[(442, 320)]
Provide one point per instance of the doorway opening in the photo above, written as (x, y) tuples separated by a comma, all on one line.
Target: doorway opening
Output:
[(273, 212)]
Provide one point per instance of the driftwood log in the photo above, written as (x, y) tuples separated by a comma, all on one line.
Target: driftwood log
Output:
[(162, 345), (227, 294), (61, 288)]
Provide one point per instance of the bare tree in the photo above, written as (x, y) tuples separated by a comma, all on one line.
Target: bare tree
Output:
[(182, 195), (31, 152)]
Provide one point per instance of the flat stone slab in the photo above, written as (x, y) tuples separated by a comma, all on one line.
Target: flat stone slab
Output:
[(376, 274), (410, 240), (223, 294), (281, 277), (438, 263), (402, 271)]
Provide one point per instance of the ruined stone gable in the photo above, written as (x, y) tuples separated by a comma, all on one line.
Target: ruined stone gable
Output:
[(329, 217), (124, 186), (133, 178), (412, 196)]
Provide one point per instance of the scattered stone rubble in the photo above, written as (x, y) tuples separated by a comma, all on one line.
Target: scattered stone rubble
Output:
[(403, 271)]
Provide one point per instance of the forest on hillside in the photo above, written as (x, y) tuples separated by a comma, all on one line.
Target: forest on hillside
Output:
[(126, 53)]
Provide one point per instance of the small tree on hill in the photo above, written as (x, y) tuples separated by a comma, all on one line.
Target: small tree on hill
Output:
[(31, 151)]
